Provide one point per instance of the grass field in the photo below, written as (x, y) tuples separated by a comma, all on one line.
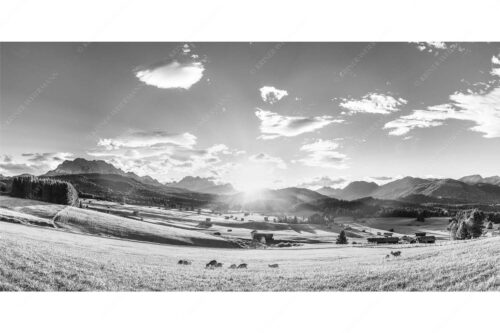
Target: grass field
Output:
[(108, 247), (35, 258)]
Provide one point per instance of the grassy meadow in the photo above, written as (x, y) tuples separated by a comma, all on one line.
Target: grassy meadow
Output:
[(107, 247), (34, 258)]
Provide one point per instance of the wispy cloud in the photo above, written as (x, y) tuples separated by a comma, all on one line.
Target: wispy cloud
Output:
[(324, 181), (265, 158), (495, 60), (481, 109), (272, 95), (430, 46), (33, 163), (373, 103), (148, 139), (274, 125), (181, 72), (158, 153), (323, 153)]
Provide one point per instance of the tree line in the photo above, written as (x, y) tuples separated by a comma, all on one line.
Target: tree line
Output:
[(44, 189)]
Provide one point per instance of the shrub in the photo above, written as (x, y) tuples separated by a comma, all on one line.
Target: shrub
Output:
[(470, 224), (44, 189), (489, 225), (341, 239)]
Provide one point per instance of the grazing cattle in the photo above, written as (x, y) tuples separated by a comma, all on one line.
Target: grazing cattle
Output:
[(396, 253), (211, 264), (184, 262), (233, 266), (273, 265), (242, 266), (219, 264)]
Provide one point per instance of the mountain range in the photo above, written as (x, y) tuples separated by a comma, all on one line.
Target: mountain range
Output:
[(83, 166), (468, 189), (475, 190)]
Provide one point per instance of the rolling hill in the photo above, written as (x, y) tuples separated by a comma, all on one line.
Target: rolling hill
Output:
[(120, 188)]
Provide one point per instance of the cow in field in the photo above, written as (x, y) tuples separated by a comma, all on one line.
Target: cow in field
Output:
[(273, 265), (233, 266), (242, 266), (396, 253), (211, 264)]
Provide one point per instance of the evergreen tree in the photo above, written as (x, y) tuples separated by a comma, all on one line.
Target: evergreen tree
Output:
[(462, 232), (475, 223), (341, 239)]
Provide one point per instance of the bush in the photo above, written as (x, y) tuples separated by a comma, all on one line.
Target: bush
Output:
[(469, 224), (44, 189), (341, 239)]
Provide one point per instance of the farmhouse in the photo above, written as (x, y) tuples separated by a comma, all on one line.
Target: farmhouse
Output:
[(264, 238), (422, 238), (383, 240)]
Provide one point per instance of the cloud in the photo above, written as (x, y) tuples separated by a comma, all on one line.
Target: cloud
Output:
[(495, 60), (182, 72), (373, 103), (382, 178), (481, 109), (159, 153), (271, 94), (33, 163), (265, 158), (430, 46), (148, 139), (11, 169), (323, 153), (274, 125), (324, 181)]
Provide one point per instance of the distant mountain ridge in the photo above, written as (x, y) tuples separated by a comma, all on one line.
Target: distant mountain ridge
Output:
[(419, 189), (353, 191), (203, 185), (468, 189), (83, 166)]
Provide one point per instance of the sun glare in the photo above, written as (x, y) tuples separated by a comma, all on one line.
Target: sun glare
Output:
[(252, 178)]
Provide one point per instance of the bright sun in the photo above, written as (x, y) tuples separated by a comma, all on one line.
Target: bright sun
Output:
[(252, 178)]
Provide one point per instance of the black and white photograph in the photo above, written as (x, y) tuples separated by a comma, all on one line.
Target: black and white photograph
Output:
[(277, 165)]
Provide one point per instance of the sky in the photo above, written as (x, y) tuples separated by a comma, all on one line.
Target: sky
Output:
[(254, 114)]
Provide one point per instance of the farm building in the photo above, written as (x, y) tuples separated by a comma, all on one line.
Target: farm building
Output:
[(383, 240), (426, 239), (265, 238)]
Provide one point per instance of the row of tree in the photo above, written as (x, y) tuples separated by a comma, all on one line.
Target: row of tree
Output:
[(44, 189)]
